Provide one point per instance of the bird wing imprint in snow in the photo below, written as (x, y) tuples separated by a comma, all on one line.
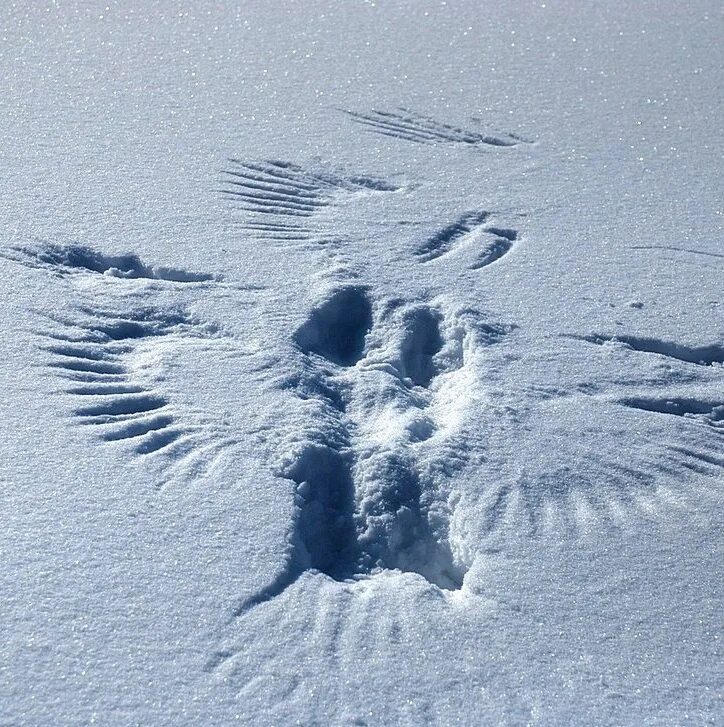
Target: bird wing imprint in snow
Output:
[(375, 415), (556, 469), (469, 232), (109, 352), (112, 363), (65, 260), (409, 441), (407, 125), (284, 203)]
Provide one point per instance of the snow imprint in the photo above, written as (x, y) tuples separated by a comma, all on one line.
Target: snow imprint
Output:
[(278, 198), (700, 355), (384, 391), (378, 441), (109, 352), (65, 260), (404, 124), (469, 231), (107, 358), (372, 451), (392, 397)]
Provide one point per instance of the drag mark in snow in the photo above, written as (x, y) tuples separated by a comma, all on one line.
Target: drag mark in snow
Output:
[(673, 248), (469, 231), (708, 410), (412, 126)]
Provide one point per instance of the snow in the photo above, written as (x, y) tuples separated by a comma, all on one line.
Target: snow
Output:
[(362, 363)]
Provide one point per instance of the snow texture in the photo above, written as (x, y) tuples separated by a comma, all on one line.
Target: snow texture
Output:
[(363, 363)]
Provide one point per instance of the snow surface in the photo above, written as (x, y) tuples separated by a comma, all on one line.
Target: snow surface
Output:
[(362, 363)]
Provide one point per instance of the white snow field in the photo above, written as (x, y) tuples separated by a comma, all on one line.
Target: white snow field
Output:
[(362, 363)]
